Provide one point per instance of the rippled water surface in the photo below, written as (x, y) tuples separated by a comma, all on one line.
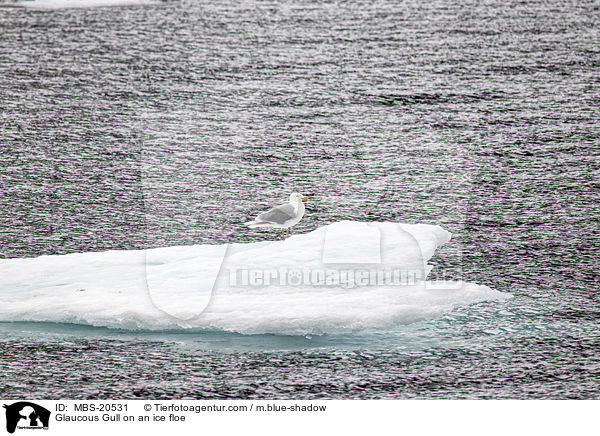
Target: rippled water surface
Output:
[(174, 122)]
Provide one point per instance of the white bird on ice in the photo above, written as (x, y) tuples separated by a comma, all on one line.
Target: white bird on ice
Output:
[(283, 216)]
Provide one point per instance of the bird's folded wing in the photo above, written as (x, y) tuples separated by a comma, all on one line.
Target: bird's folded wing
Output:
[(278, 215)]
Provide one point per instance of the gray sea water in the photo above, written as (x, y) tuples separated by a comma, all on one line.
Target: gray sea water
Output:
[(174, 122)]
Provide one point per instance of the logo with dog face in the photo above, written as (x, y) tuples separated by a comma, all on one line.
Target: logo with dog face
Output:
[(26, 415)]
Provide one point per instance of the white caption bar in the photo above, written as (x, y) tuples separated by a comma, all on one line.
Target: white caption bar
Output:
[(282, 418)]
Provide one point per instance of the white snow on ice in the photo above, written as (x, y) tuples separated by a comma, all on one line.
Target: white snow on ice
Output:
[(193, 286)]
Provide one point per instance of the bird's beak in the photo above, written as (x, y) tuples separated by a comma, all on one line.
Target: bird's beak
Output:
[(304, 198)]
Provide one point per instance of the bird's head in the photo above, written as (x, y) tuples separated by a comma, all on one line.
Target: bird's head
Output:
[(297, 197)]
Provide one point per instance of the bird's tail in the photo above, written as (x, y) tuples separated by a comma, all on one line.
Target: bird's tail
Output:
[(254, 224)]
